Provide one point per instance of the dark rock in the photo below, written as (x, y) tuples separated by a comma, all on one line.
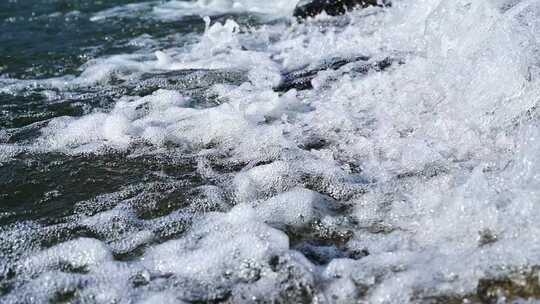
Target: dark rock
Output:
[(521, 285), (312, 8), (320, 255), (358, 254), (301, 79), (487, 237)]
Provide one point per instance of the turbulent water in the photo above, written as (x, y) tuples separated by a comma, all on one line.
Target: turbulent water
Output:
[(153, 152)]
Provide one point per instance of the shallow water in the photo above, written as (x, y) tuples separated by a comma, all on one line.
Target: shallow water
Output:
[(220, 151)]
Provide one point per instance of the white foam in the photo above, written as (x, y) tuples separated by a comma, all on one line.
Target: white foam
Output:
[(146, 118), (78, 253), (171, 10), (294, 208), (219, 243)]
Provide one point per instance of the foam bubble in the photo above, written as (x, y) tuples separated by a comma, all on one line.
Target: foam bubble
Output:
[(293, 208), (78, 253)]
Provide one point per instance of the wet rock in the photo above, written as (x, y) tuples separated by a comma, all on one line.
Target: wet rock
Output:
[(357, 254), (519, 286), (311, 8), (487, 237), (524, 285), (300, 79), (320, 255)]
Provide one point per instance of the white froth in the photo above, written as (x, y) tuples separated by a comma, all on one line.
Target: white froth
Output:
[(172, 10), (77, 253), (149, 118), (219, 243), (294, 208)]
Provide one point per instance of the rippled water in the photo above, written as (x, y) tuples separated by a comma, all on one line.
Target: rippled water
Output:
[(220, 151)]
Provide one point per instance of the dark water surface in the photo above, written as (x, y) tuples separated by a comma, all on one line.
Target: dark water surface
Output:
[(47, 38), (42, 39)]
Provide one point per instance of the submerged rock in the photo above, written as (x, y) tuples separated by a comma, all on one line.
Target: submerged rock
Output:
[(312, 8), (300, 79)]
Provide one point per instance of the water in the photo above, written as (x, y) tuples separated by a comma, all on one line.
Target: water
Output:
[(219, 151)]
